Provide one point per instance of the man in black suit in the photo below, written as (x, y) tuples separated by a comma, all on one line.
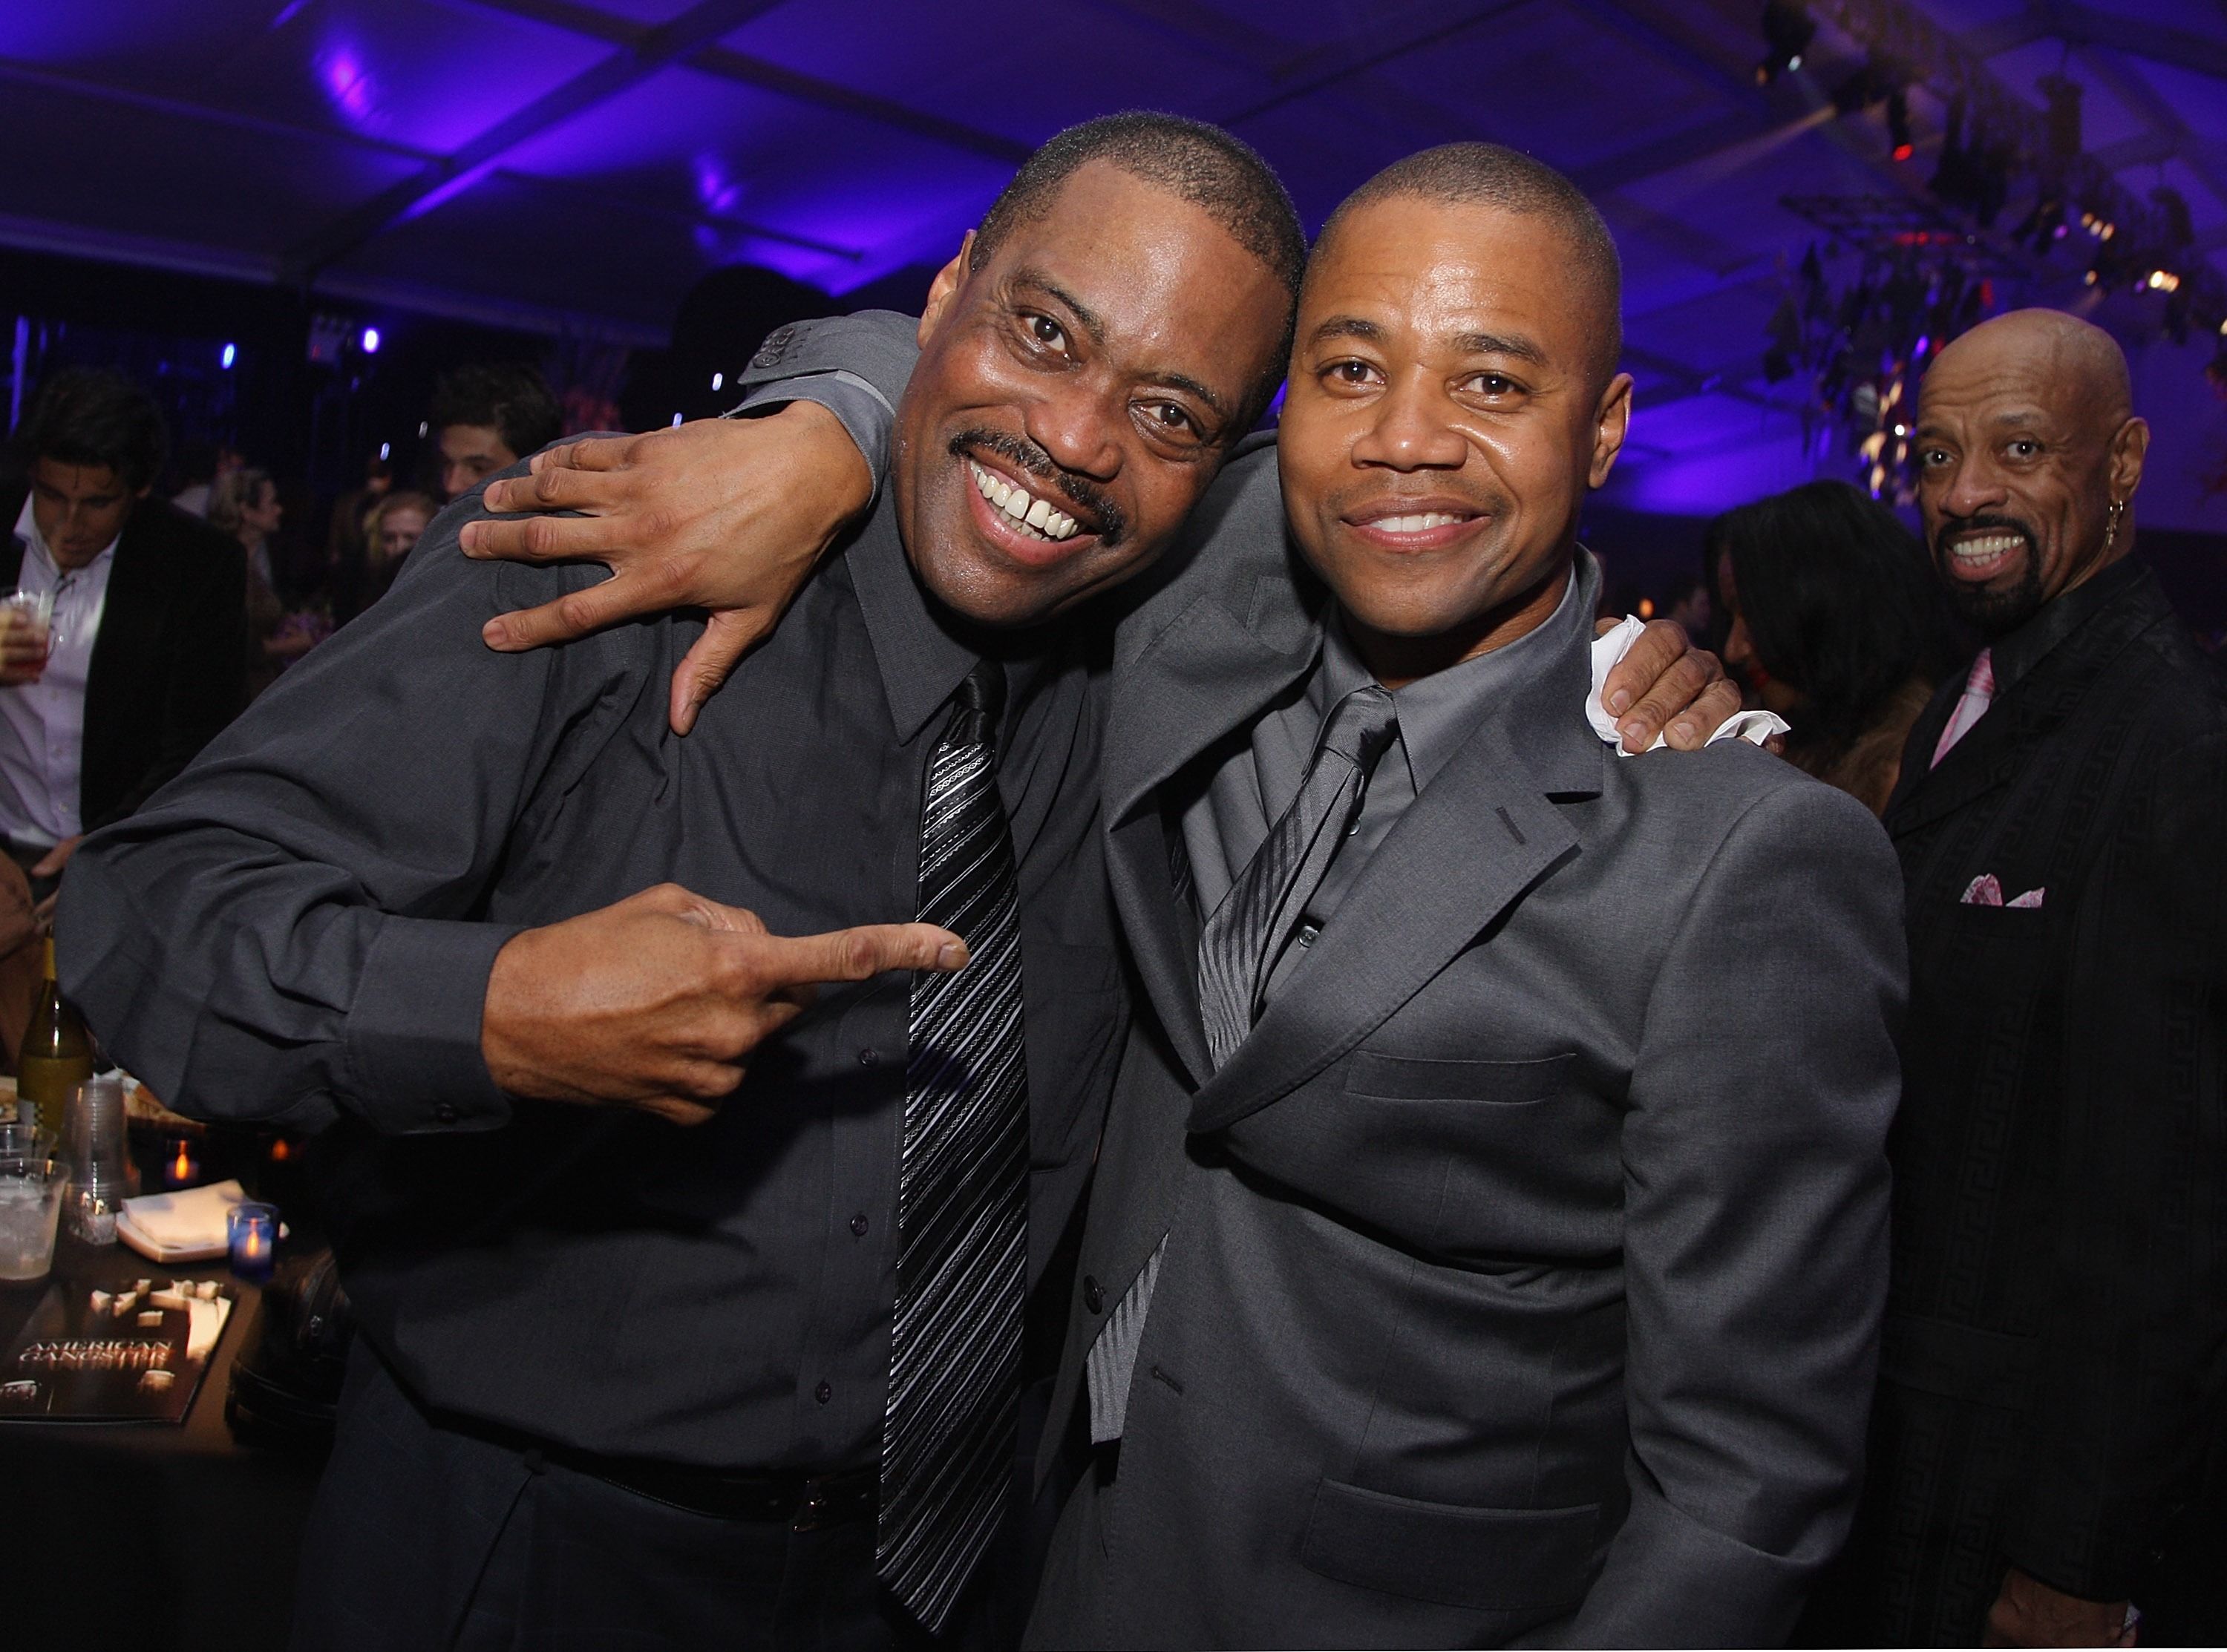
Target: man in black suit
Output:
[(2052, 1367), (143, 659)]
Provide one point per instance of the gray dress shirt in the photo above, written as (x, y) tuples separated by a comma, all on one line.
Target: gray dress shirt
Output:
[(300, 929)]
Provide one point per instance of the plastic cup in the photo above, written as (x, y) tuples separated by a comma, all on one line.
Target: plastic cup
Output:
[(32, 1191), (98, 1163), (37, 608)]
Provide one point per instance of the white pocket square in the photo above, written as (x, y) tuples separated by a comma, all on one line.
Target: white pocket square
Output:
[(1986, 891)]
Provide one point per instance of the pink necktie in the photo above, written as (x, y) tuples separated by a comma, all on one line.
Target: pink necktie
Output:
[(1971, 705)]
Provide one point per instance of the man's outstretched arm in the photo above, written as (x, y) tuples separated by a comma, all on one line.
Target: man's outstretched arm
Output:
[(290, 930)]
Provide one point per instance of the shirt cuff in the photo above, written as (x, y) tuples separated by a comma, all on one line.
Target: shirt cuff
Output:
[(863, 411), (413, 1035)]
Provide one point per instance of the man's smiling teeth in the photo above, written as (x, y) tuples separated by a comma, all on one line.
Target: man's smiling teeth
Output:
[(1023, 511), (1985, 547), (1422, 523)]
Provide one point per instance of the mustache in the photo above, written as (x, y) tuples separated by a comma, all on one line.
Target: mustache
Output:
[(1091, 501), (1989, 523)]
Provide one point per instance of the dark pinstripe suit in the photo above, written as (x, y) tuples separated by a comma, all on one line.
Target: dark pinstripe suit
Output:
[(2056, 1326)]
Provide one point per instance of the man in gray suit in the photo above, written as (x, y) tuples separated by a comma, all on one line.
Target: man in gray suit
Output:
[(1488, 1234), (1488, 1238)]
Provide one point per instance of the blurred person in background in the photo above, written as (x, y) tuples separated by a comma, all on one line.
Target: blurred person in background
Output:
[(141, 663), (394, 529), (199, 464), (345, 537), (1687, 602), (1835, 621), (487, 417), (244, 504)]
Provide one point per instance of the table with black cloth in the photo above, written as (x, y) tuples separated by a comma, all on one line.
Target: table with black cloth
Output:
[(148, 1534)]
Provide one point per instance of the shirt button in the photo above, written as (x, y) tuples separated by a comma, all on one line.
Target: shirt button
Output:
[(445, 1112), (823, 1394), (858, 1224), (1093, 1296), (870, 1057)]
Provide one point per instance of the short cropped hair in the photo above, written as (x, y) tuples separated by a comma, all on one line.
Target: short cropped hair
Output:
[(91, 415), (1219, 173), (1491, 175), (509, 397)]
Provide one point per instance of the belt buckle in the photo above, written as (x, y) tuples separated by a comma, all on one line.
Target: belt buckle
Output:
[(823, 1503)]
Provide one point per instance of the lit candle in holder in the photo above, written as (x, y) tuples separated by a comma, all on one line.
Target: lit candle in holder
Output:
[(252, 1230), (181, 1168)]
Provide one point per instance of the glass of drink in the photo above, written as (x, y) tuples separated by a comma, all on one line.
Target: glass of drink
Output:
[(37, 610), (31, 1193), (27, 1141)]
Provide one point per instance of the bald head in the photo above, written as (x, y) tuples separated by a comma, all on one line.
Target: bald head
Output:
[(2028, 455), (2079, 358)]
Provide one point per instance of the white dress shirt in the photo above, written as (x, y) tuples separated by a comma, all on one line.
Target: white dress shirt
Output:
[(42, 723)]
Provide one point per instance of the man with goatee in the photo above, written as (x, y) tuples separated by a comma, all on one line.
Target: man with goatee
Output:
[(2052, 1367)]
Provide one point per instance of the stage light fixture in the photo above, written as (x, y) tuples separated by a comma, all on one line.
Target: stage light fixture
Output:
[(230, 355), (385, 449), (370, 341), (718, 379), (1788, 28)]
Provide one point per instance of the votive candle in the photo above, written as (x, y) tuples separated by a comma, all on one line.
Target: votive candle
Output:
[(181, 1167), (252, 1233)]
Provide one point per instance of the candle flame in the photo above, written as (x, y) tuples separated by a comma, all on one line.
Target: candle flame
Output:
[(280, 1151), (184, 1167)]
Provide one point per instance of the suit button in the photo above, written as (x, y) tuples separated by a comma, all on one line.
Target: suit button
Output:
[(445, 1112), (1093, 1296), (824, 1393), (858, 1224)]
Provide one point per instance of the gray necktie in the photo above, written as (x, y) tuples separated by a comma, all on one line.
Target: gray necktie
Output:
[(949, 1434), (1240, 943)]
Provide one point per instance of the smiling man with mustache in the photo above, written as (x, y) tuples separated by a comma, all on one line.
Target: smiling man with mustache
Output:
[(2051, 1369)]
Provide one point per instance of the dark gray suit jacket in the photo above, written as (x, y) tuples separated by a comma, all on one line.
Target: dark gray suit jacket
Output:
[(1524, 1268)]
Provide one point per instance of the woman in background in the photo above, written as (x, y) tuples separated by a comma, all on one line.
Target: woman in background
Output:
[(1834, 621), (244, 503), (390, 532)]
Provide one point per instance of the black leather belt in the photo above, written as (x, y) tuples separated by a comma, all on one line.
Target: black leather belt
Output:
[(804, 1501)]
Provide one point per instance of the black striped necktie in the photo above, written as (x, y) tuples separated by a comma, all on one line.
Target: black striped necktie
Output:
[(1239, 945), (948, 1438)]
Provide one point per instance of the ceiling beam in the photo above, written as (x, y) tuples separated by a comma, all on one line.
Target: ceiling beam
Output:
[(727, 64), (12, 69), (626, 67)]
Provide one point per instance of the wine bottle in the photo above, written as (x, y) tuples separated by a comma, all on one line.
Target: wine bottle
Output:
[(56, 1055)]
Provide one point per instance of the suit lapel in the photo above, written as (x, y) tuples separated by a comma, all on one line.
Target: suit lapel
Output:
[(1994, 749), (1204, 677), (1482, 833)]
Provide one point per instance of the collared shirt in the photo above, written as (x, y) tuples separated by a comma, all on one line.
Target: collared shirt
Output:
[(42, 723), (1256, 781), (303, 926)]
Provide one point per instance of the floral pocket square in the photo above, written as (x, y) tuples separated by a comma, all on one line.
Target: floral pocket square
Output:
[(1986, 891)]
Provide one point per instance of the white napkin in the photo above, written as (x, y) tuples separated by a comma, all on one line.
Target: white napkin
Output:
[(189, 1221), (1754, 727)]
